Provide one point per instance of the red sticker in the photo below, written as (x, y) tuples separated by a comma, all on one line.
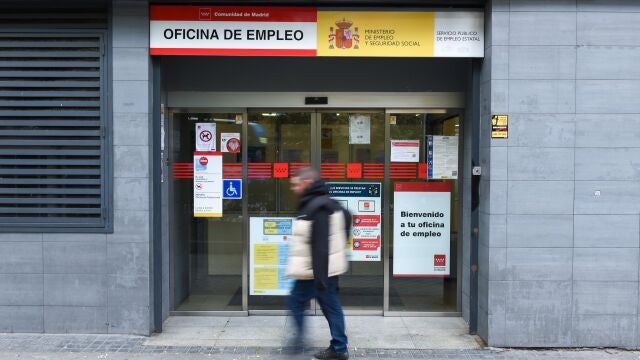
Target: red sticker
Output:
[(439, 260), (422, 170), (280, 170), (366, 220), (233, 145), (366, 244), (354, 170)]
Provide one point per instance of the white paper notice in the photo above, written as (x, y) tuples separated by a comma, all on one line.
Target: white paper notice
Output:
[(205, 136), (207, 184), (268, 255), (442, 157), (359, 129), (421, 229), (405, 150), (230, 142)]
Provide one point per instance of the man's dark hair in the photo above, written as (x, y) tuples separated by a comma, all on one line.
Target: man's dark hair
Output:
[(307, 173)]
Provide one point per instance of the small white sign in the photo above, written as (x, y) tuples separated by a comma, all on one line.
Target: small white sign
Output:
[(359, 129), (207, 184), (205, 136), (230, 142), (405, 150)]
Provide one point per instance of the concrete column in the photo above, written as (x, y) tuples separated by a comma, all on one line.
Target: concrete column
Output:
[(129, 246)]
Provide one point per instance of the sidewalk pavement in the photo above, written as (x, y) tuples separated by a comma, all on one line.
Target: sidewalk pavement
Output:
[(109, 347), (376, 332), (264, 338), (435, 354)]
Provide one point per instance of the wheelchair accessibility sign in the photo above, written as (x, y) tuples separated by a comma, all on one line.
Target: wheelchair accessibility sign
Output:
[(232, 188)]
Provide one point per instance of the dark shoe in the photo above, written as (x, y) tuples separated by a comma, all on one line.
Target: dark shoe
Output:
[(329, 353)]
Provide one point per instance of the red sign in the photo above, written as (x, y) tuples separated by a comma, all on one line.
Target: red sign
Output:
[(366, 244), (366, 220), (430, 186), (280, 170), (203, 161), (439, 260), (354, 170), (232, 13), (233, 30)]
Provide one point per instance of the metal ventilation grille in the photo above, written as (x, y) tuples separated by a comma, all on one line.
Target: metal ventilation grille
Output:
[(52, 160)]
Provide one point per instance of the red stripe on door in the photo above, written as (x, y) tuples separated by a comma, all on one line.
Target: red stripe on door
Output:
[(333, 170), (182, 170), (260, 170), (295, 166), (403, 171), (264, 170), (232, 171), (373, 171)]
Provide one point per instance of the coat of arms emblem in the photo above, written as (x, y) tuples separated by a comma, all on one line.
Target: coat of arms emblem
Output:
[(343, 37)]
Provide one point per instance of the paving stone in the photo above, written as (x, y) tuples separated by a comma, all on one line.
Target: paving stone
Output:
[(19, 346)]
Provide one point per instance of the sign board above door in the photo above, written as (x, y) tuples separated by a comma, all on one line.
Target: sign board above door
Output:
[(307, 31)]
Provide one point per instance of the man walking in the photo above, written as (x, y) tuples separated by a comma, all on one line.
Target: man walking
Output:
[(317, 257)]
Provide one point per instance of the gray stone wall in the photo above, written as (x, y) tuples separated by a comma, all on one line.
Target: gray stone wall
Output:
[(130, 243), (560, 223), (94, 283)]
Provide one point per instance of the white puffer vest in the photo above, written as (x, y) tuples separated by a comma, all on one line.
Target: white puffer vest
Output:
[(300, 263)]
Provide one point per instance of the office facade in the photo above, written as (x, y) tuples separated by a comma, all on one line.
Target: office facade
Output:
[(556, 206)]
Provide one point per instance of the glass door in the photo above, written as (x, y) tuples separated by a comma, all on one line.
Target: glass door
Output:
[(278, 142), (335, 142), (426, 249), (206, 253), (352, 150)]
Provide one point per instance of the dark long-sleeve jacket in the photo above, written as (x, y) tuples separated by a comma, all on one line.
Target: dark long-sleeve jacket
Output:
[(320, 232)]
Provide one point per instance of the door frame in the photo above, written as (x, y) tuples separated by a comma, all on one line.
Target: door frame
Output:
[(315, 162), (386, 218)]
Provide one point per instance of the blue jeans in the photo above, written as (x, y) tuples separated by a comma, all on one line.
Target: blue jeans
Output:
[(303, 291)]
